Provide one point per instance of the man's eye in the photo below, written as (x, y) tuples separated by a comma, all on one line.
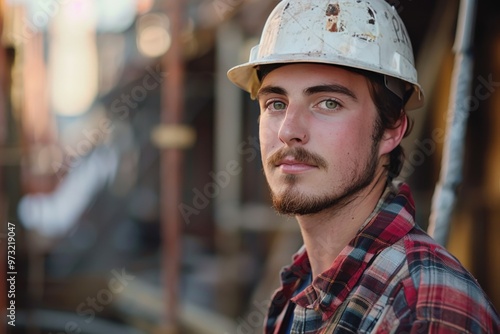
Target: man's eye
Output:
[(330, 104), (277, 105)]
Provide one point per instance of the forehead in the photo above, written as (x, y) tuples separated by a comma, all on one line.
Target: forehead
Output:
[(303, 75)]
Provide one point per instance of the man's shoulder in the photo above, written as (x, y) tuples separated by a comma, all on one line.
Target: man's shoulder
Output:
[(443, 287), (428, 271), (436, 287), (420, 253), (430, 263)]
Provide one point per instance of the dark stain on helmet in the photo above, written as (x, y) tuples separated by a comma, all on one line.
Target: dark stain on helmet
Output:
[(332, 12), (372, 16)]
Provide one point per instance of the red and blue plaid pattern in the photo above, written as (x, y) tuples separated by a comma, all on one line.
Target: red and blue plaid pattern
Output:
[(391, 278)]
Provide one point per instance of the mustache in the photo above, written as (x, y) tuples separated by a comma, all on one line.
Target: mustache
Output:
[(299, 154)]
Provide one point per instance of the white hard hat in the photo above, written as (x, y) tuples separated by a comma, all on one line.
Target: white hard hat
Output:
[(362, 34)]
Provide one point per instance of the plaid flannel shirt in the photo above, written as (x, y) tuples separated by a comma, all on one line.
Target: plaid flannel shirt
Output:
[(391, 278)]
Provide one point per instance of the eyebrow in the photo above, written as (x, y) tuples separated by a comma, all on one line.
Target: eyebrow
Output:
[(271, 90), (327, 88), (330, 88)]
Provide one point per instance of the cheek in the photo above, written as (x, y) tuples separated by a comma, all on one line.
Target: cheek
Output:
[(264, 140), (268, 132), (345, 141), (361, 130)]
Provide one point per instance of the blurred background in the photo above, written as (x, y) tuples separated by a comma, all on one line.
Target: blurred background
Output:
[(130, 167)]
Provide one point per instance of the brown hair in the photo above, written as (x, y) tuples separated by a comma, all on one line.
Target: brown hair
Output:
[(390, 108)]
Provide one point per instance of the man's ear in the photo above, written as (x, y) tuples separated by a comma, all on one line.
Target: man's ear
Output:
[(393, 136)]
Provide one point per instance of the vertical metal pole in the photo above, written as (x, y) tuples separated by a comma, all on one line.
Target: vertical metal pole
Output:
[(36, 132), (172, 99), (445, 194), (227, 115)]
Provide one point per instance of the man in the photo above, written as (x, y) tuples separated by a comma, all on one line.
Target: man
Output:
[(333, 80)]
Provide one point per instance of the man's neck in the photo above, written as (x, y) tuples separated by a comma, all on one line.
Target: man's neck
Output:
[(326, 233)]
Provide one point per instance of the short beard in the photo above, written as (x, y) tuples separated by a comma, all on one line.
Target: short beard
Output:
[(295, 203)]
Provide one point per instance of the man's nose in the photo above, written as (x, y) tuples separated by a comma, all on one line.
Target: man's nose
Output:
[(294, 128)]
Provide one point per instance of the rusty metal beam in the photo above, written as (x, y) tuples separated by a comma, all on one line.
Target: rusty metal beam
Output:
[(172, 105)]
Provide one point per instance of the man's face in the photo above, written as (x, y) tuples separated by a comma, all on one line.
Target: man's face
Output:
[(319, 141)]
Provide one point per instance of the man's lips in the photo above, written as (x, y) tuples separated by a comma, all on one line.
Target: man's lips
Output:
[(296, 160), (293, 166)]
